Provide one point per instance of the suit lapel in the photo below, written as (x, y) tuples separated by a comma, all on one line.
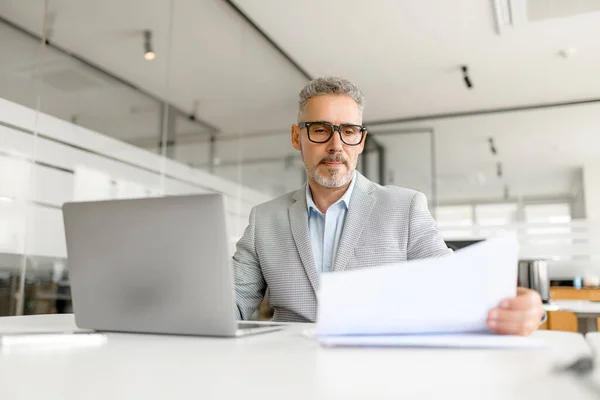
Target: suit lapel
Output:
[(359, 211), (299, 223)]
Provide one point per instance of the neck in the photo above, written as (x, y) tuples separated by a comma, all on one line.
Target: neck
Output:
[(324, 197)]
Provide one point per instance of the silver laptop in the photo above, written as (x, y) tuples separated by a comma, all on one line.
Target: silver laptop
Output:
[(154, 265)]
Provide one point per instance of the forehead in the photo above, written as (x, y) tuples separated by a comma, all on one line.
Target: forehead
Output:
[(337, 109)]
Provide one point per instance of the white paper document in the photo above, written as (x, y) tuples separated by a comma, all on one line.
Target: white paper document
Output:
[(456, 340), (414, 301)]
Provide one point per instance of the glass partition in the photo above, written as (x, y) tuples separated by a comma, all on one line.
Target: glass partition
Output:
[(21, 70), (173, 98), (74, 128)]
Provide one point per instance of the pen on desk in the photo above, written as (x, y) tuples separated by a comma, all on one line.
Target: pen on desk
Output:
[(582, 368)]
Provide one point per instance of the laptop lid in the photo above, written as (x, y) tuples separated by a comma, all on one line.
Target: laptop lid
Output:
[(155, 265)]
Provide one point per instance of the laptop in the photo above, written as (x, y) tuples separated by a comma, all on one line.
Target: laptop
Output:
[(153, 265)]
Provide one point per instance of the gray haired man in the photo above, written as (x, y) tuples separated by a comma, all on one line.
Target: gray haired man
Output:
[(340, 220)]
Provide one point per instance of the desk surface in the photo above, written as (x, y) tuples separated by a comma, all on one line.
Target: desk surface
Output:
[(593, 340), (278, 365), (576, 306)]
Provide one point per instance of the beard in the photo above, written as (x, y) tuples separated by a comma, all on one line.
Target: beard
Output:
[(335, 179)]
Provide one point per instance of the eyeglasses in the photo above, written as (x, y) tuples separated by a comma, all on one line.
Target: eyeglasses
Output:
[(322, 132)]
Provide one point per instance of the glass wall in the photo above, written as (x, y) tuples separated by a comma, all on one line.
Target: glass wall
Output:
[(65, 120), (173, 97), (19, 76)]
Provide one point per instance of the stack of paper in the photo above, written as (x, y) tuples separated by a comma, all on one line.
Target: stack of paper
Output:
[(431, 302)]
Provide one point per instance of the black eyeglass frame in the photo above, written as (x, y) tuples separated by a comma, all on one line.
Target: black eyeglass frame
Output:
[(334, 128)]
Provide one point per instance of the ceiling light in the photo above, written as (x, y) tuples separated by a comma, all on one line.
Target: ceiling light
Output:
[(493, 149), (148, 50), (466, 78)]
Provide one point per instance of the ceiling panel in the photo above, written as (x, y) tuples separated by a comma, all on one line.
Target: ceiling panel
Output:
[(406, 55)]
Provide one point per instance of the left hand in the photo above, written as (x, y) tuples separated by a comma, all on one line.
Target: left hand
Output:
[(520, 315)]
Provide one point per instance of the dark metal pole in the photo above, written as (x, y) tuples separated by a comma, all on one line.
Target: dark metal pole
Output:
[(382, 164), (365, 158), (212, 152), (434, 188), (167, 135)]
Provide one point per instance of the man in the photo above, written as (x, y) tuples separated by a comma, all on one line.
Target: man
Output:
[(341, 221)]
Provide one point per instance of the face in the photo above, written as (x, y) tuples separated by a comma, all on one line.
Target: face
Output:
[(329, 164)]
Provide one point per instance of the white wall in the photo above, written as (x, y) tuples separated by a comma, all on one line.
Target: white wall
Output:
[(541, 152), (591, 181), (578, 203), (67, 162)]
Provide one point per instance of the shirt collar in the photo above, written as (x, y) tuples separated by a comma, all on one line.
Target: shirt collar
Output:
[(345, 198)]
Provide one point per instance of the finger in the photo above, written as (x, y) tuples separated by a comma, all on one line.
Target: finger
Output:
[(514, 322), (522, 328), (524, 300), (522, 290), (515, 316)]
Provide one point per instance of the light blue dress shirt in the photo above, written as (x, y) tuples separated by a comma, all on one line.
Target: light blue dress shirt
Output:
[(325, 230)]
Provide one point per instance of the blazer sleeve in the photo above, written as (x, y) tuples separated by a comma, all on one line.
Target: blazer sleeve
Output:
[(250, 285), (424, 240)]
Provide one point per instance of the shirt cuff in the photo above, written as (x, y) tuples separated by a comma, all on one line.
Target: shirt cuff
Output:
[(544, 318)]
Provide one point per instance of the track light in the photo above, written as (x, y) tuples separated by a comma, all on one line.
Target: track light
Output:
[(499, 169), (192, 116), (465, 71), (148, 51), (493, 149)]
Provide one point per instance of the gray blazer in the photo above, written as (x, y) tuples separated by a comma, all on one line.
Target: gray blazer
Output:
[(383, 225)]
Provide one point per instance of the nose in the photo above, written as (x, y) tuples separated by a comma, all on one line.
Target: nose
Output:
[(335, 144)]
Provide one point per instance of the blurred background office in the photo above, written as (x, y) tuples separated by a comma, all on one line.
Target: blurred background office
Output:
[(490, 108)]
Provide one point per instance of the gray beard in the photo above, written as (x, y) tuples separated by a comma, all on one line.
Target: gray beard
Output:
[(335, 181)]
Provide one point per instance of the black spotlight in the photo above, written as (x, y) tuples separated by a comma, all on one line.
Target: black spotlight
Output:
[(465, 71)]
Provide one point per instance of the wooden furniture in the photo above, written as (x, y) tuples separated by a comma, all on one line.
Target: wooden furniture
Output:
[(567, 321)]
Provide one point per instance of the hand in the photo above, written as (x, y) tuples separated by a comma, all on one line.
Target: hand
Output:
[(520, 315)]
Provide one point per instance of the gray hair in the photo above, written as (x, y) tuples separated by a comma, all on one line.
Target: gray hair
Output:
[(330, 85)]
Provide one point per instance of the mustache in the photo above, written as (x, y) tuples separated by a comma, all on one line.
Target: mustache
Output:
[(336, 157)]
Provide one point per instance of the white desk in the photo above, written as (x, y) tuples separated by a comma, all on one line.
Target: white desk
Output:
[(281, 365), (593, 340), (587, 313)]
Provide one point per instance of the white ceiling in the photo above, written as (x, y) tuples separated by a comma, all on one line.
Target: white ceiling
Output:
[(205, 52), (404, 54)]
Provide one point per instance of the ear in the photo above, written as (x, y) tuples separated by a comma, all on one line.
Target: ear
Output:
[(296, 137)]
